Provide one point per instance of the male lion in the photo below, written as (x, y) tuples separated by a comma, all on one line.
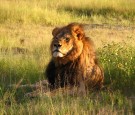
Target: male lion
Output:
[(73, 67)]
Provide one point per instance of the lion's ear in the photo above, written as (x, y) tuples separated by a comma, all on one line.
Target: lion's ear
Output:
[(78, 31), (55, 31)]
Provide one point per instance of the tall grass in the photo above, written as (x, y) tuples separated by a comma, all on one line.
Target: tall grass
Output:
[(118, 60), (58, 12), (114, 104)]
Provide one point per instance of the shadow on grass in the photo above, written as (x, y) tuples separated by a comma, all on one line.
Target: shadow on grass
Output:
[(105, 12), (117, 79)]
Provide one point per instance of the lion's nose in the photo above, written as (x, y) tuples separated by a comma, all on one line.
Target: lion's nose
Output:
[(58, 45)]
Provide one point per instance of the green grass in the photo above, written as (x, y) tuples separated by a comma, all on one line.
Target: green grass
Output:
[(33, 22), (118, 60), (58, 12), (104, 103)]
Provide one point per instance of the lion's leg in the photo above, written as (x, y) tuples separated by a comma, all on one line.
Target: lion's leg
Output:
[(40, 88), (68, 90), (38, 92), (42, 84), (81, 89), (35, 93), (74, 90), (62, 91), (55, 92)]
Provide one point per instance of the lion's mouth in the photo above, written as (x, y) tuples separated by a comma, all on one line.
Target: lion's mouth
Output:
[(57, 53)]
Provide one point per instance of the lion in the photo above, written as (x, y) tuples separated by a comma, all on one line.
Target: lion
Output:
[(74, 66)]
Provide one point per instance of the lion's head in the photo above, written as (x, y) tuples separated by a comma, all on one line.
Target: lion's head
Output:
[(67, 42)]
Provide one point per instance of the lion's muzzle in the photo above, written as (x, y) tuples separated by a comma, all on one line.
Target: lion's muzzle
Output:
[(56, 52)]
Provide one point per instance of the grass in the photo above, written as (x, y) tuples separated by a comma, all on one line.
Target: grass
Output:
[(58, 12), (32, 23), (115, 49), (74, 105)]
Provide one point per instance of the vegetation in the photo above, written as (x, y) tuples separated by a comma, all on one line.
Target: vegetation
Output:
[(58, 12), (25, 35)]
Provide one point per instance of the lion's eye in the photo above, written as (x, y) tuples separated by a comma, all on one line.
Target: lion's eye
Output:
[(67, 39), (56, 38)]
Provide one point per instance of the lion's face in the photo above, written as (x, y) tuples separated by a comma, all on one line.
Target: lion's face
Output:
[(67, 41), (62, 44)]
